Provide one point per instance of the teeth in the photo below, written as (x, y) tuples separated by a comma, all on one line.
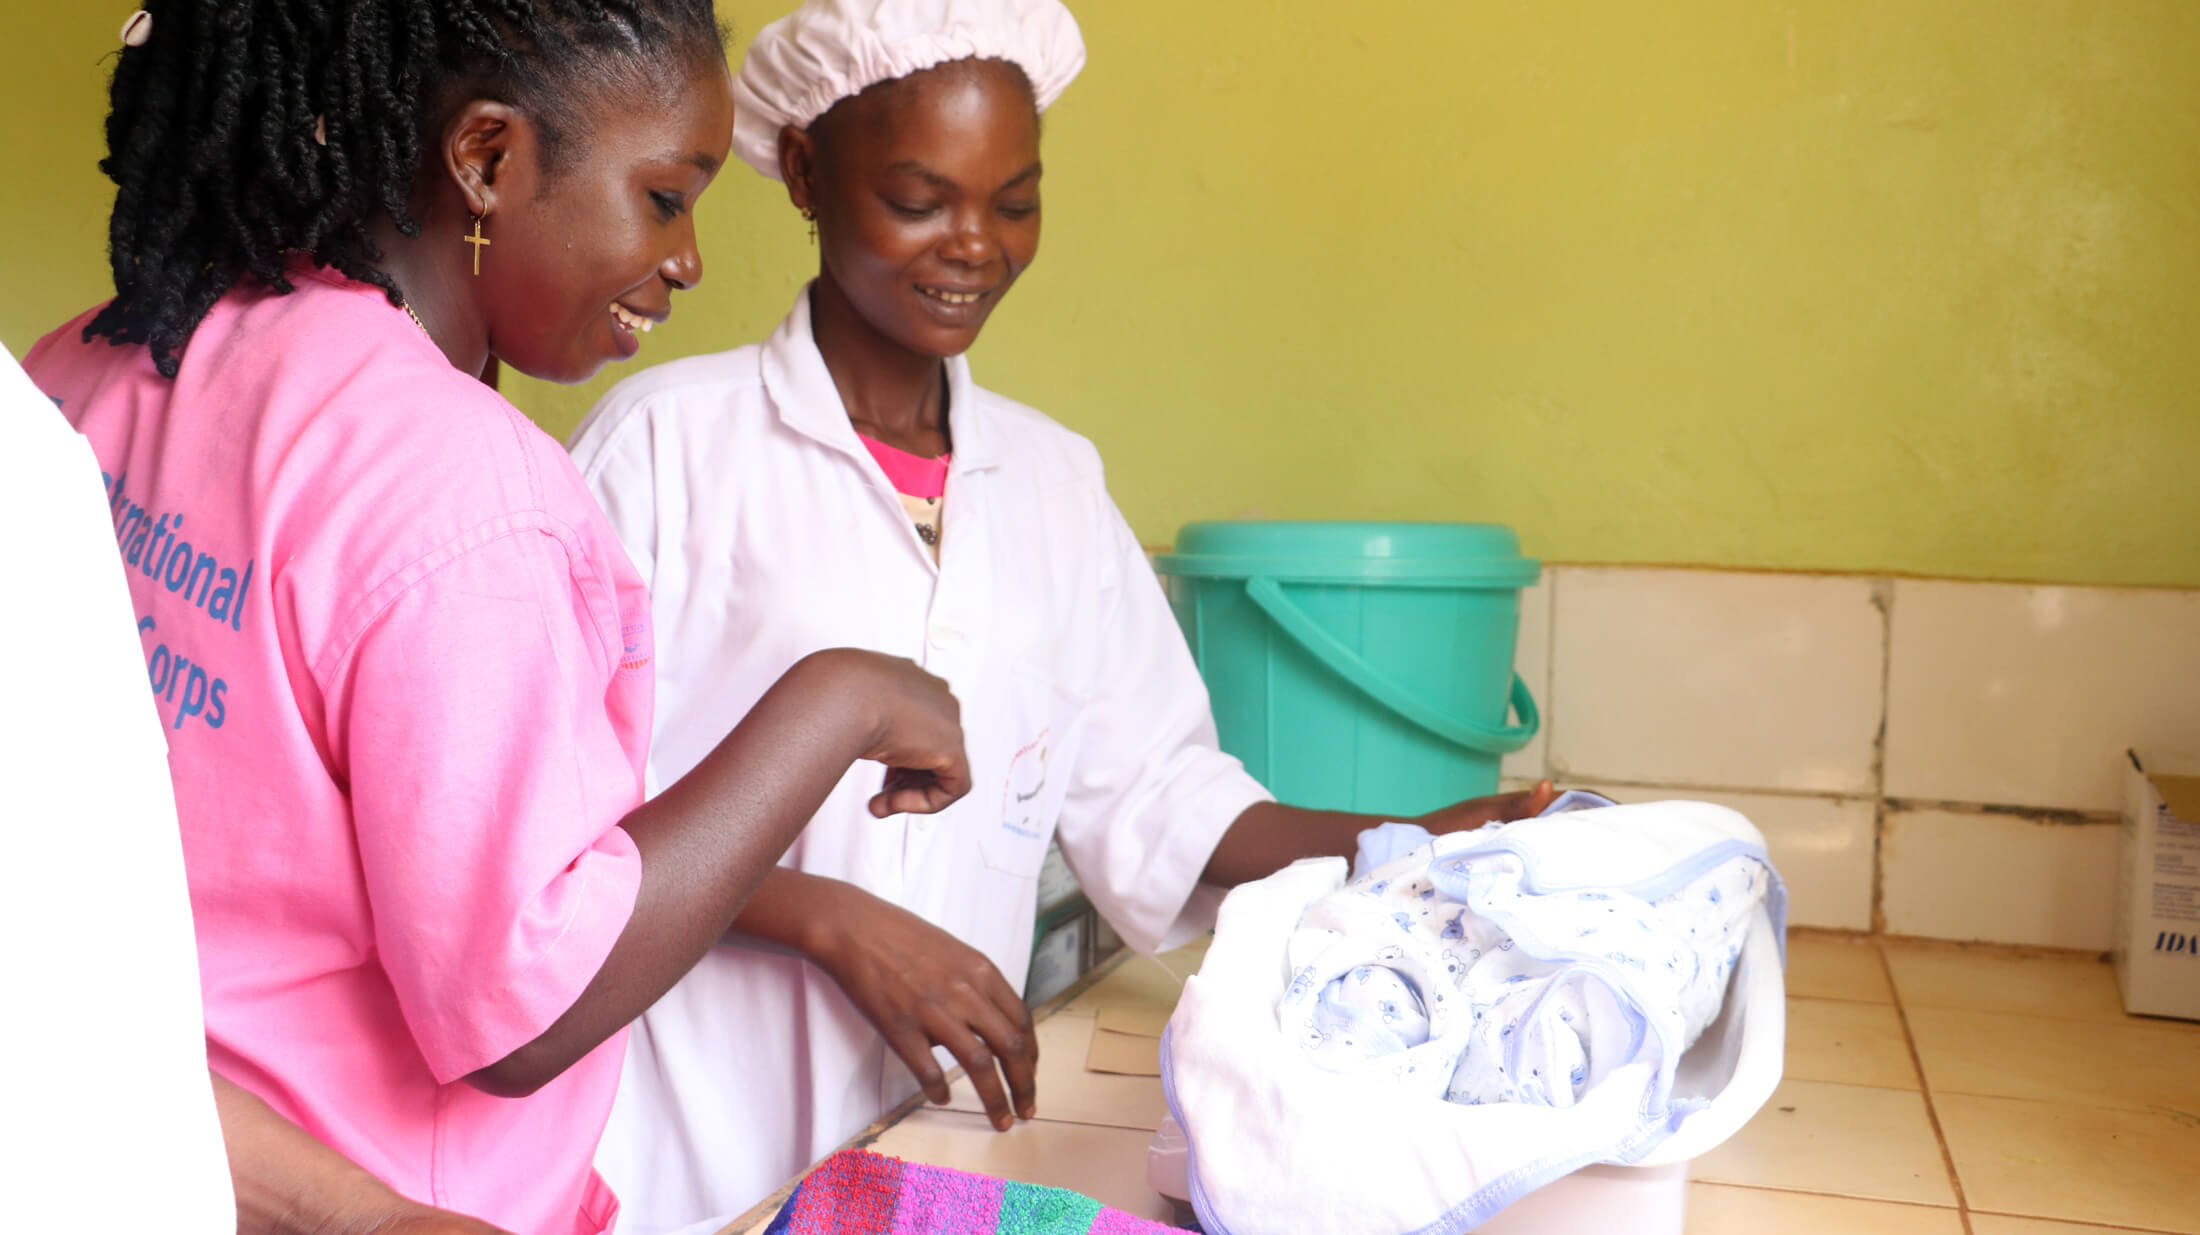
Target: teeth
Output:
[(632, 321), (953, 297)]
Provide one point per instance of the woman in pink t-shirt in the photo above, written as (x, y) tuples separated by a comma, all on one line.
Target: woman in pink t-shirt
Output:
[(403, 665)]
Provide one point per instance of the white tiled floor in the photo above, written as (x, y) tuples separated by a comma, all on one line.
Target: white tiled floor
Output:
[(1978, 875), (2028, 696), (1745, 681), (2115, 1167), (1719, 1209), (2002, 1224), (1848, 1042), (2138, 1064), (1931, 1089), (1854, 1140), (2057, 986)]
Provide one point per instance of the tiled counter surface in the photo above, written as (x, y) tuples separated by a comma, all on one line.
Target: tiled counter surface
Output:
[(1932, 1089)]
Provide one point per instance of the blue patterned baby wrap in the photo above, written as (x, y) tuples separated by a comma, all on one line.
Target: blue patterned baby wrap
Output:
[(1455, 972)]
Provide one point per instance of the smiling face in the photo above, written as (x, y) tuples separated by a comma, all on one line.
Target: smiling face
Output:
[(926, 191), (584, 256)]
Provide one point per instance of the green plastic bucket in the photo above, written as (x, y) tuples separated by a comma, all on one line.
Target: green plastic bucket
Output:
[(1359, 666)]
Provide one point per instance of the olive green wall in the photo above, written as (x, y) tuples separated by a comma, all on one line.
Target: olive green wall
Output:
[(1825, 284)]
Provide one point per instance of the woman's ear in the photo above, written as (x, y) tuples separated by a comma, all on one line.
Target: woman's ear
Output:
[(490, 154), (798, 167)]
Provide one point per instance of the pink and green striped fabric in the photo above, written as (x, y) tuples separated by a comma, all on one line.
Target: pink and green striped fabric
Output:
[(856, 1192)]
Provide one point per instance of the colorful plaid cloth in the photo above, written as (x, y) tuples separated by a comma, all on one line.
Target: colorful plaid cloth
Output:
[(856, 1192)]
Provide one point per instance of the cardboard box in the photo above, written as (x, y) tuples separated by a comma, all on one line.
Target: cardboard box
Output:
[(2158, 893)]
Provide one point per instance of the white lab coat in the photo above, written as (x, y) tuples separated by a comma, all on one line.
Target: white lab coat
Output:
[(767, 532), (109, 1097)]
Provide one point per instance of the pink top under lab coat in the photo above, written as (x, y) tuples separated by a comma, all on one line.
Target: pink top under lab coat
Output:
[(403, 669)]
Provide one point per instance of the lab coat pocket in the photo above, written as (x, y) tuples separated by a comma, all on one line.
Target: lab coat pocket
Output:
[(1030, 745)]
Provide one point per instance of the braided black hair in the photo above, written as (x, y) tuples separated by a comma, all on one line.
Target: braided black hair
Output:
[(244, 132)]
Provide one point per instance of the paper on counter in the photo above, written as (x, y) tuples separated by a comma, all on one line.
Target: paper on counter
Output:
[(1125, 1054), (1133, 1019)]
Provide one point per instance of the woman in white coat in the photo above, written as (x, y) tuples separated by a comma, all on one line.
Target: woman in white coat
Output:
[(846, 482)]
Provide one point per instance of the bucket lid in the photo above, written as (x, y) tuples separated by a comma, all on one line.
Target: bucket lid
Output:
[(1474, 554)]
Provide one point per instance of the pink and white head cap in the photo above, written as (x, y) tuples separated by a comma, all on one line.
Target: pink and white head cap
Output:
[(828, 50)]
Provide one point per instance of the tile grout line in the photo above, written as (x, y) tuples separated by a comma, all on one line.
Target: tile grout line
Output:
[(1992, 948), (1791, 1190), (1878, 910), (2065, 1103), (2106, 1226), (1579, 776), (1883, 600), (2018, 1014), (1049, 1120), (2068, 816), (1788, 1190), (1867, 1003), (1813, 1080), (1925, 1090), (1615, 566)]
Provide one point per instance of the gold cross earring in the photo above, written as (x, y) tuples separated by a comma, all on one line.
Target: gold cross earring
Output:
[(479, 242), (811, 216)]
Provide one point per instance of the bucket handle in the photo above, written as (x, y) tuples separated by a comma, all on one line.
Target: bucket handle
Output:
[(1346, 663)]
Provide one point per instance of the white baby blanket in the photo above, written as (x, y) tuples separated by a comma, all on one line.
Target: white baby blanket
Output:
[(1415, 1051)]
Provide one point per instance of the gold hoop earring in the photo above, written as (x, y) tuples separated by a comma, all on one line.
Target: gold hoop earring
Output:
[(479, 242)]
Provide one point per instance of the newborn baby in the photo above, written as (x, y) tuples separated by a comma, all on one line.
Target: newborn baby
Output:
[(1450, 972)]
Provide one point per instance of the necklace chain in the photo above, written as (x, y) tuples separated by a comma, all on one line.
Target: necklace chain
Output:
[(416, 320)]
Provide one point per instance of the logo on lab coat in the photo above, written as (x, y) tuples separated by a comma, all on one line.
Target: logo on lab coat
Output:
[(1027, 782)]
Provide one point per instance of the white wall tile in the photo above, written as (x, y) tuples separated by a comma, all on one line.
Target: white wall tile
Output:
[(1745, 681), (1532, 661), (2028, 696), (1998, 877), (1822, 847)]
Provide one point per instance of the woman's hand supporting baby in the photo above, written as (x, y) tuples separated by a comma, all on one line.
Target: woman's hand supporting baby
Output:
[(1270, 836)]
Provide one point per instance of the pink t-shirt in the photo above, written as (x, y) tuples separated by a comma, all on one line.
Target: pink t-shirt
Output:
[(404, 669), (911, 475)]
